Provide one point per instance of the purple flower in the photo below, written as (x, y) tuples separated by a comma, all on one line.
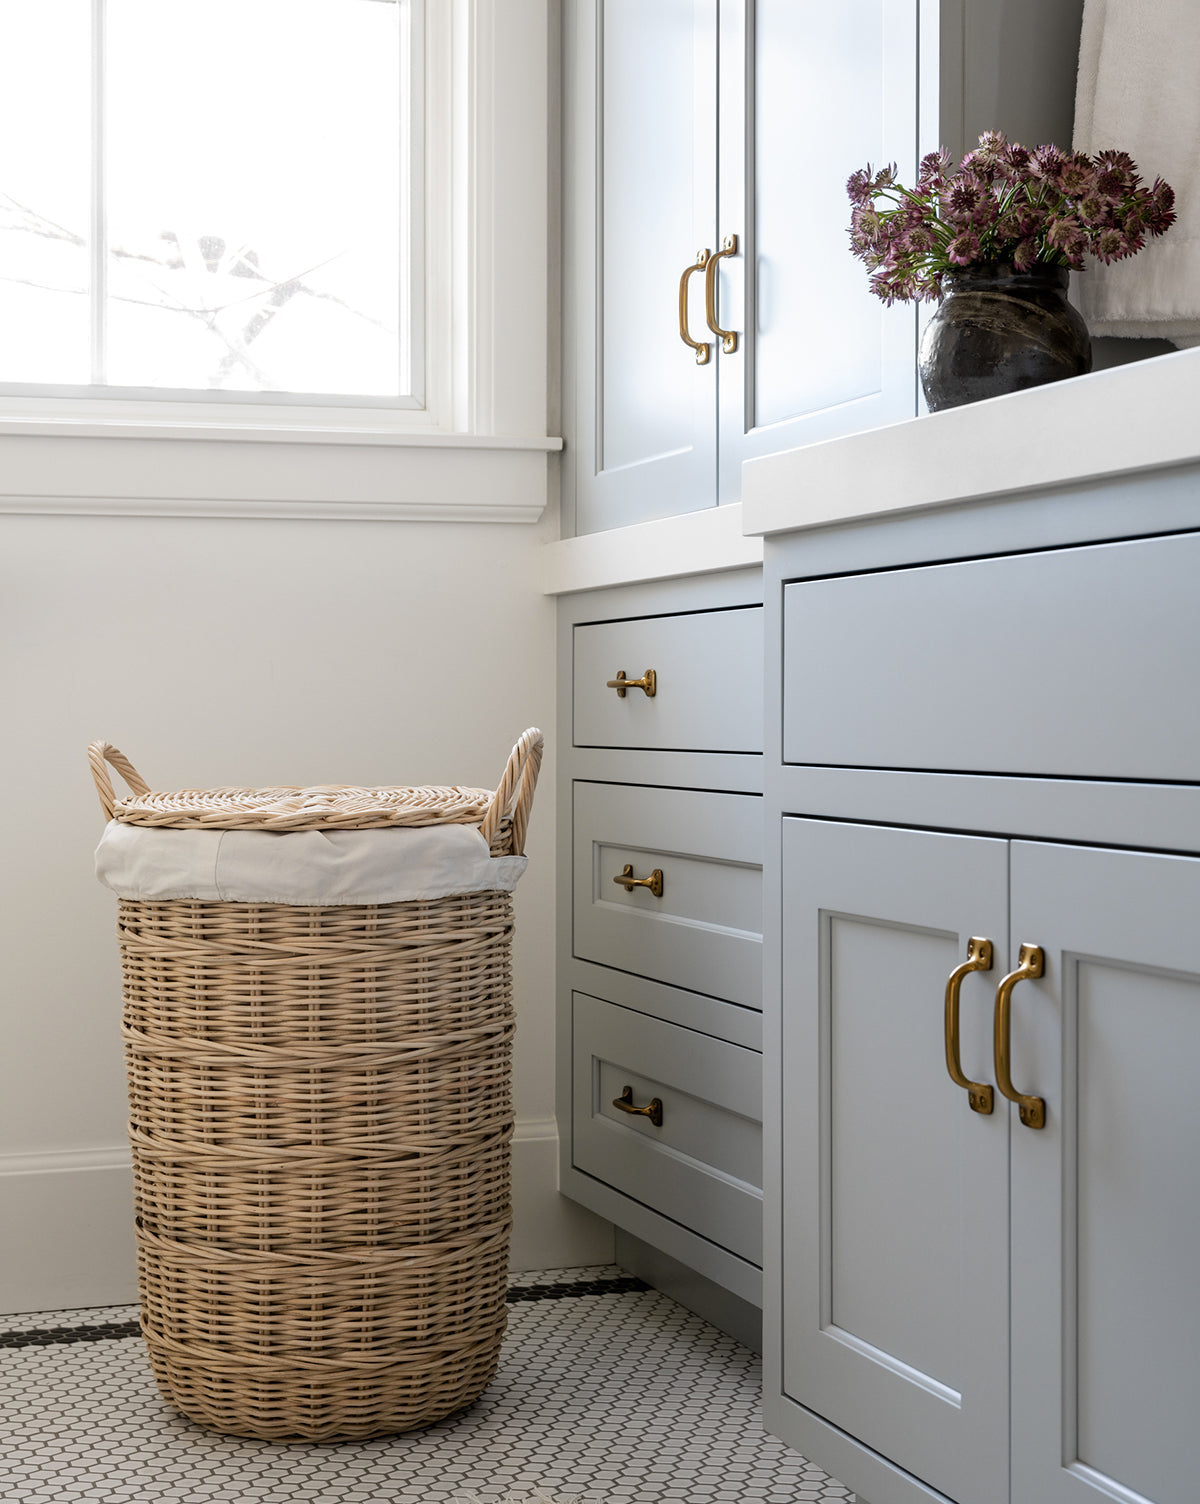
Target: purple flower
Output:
[(858, 186), (1162, 215), (932, 290), (1046, 162), (866, 222), (935, 166), (964, 196), (1065, 234), (1076, 177), (1119, 166), (1015, 160), (1111, 245), (1108, 184), (881, 286), (983, 165), (1039, 207)]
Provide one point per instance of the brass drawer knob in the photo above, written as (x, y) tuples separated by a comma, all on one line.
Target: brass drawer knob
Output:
[(653, 1109), (648, 683), (627, 880)]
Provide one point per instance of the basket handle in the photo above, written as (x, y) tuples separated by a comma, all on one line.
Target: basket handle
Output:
[(515, 794), (100, 753)]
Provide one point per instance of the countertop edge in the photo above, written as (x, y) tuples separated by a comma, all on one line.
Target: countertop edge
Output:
[(1141, 416), (704, 542)]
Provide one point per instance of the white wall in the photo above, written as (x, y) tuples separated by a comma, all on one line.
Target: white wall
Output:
[(256, 644), (216, 651)]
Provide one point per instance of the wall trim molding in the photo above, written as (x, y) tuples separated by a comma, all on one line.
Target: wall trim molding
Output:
[(66, 1161), (66, 1222), (283, 511), (490, 481)]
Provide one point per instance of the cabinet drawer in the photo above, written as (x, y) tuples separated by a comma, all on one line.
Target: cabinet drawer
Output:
[(705, 930), (1073, 662), (708, 670), (702, 1166)]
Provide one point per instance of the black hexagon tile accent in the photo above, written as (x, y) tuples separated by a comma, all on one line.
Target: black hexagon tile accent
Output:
[(607, 1393)]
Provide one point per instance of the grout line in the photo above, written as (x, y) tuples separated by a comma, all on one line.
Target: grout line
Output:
[(111, 1331)]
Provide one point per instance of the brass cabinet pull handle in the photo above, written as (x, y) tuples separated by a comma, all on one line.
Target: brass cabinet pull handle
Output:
[(654, 882), (698, 265), (1030, 963), (979, 958), (648, 683), (728, 337), (653, 1110)]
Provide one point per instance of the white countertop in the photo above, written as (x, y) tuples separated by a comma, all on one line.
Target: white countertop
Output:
[(1136, 417), (1141, 416), (694, 543)]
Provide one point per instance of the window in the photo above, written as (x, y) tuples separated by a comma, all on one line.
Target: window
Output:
[(276, 258), (213, 200)]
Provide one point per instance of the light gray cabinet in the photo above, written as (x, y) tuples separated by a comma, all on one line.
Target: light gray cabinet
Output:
[(713, 312), (660, 954), (904, 1339), (972, 1305), (707, 153)]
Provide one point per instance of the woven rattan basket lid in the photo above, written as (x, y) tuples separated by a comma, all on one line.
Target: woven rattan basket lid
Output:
[(325, 807)]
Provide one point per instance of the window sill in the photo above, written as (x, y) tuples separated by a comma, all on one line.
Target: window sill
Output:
[(345, 473)]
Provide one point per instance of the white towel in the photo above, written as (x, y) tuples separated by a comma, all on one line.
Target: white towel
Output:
[(1139, 91)]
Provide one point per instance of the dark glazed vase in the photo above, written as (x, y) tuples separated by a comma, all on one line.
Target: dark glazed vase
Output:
[(1000, 330)]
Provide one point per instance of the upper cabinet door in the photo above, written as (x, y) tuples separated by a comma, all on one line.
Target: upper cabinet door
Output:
[(1106, 1197), (641, 96), (809, 93)]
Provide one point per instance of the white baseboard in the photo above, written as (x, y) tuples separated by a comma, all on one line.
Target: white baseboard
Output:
[(66, 1230), (550, 1232), (66, 1223)]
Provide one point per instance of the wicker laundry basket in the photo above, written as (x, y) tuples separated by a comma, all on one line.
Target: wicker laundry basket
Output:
[(320, 1118)]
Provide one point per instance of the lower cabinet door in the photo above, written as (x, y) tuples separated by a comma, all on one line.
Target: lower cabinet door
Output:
[(1106, 1197), (671, 1117), (895, 1202)]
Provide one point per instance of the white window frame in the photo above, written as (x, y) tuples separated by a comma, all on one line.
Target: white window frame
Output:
[(475, 450)]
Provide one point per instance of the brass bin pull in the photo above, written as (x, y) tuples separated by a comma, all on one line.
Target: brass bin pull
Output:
[(979, 958), (685, 335), (728, 337), (648, 683), (627, 880), (653, 1110), (1030, 963)]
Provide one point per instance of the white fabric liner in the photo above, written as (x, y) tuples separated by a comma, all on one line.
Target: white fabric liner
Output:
[(302, 867)]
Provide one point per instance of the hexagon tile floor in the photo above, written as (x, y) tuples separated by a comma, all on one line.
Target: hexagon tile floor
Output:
[(607, 1393)]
